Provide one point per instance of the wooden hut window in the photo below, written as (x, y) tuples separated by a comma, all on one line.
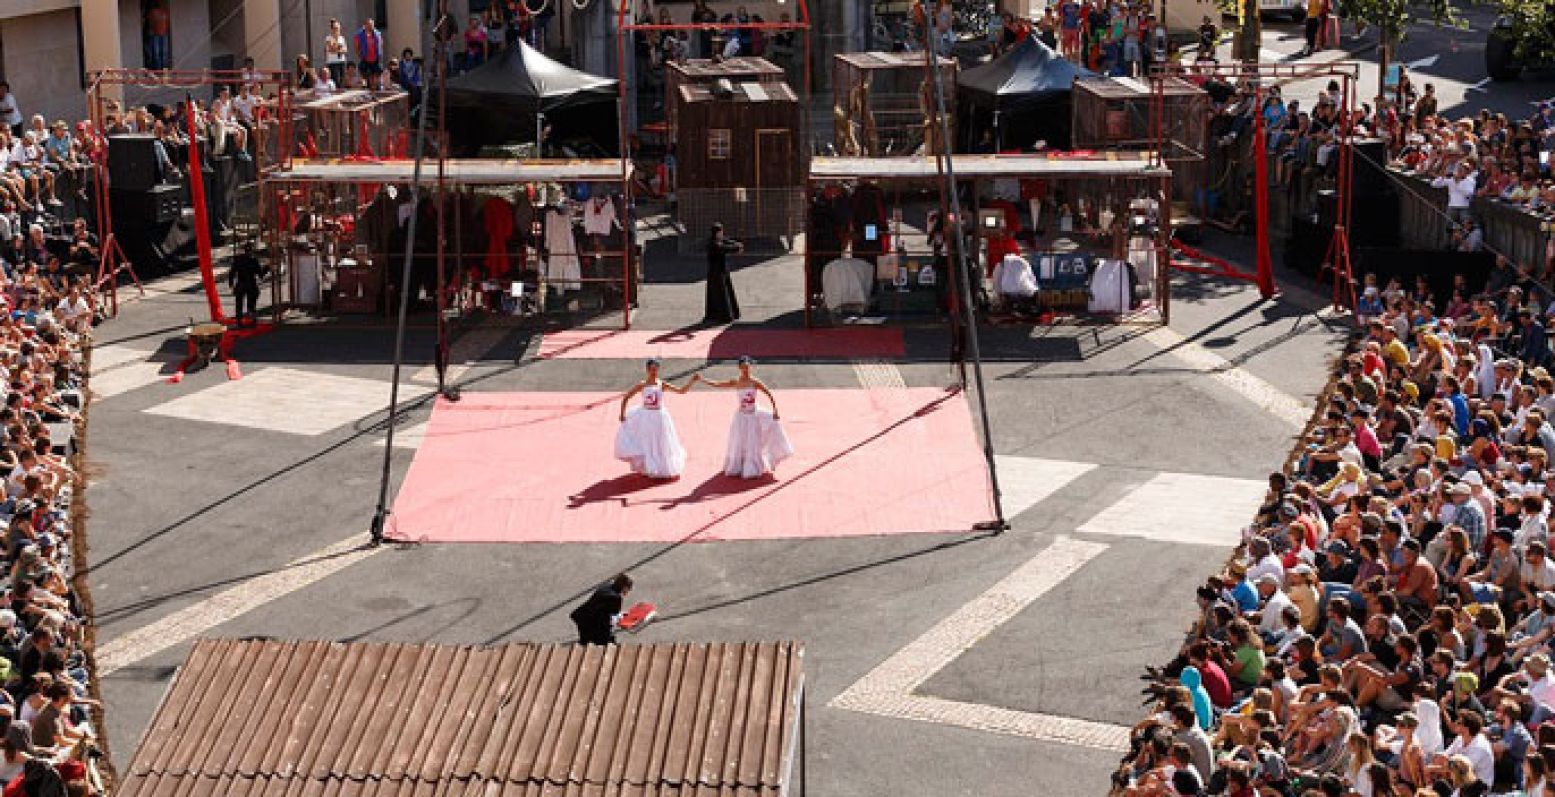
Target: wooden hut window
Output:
[(719, 144)]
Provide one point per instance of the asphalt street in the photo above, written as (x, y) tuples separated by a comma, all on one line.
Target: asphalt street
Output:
[(1142, 446), (1452, 58)]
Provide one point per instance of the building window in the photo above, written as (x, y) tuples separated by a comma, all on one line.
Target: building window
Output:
[(718, 145)]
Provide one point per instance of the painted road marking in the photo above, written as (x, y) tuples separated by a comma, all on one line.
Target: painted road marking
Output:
[(192, 621), (110, 356), (1025, 482), (888, 690), (1182, 508), (409, 437), (119, 369), (1269, 398), (286, 400), (125, 378), (469, 349), (878, 375)]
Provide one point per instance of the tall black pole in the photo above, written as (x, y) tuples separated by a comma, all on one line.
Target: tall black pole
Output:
[(945, 164), (381, 514)]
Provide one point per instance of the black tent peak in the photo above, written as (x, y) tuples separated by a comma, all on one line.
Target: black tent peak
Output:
[(522, 75), (1028, 73)]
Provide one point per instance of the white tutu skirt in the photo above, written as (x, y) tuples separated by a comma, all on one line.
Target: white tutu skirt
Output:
[(757, 444), (647, 441)]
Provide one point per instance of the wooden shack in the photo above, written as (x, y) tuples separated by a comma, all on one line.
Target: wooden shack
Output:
[(740, 157), (880, 101), (705, 71), (1114, 113)]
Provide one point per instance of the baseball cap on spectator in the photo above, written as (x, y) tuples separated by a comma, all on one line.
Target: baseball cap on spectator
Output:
[(1473, 478), (1461, 489), (1289, 509), (1338, 547)]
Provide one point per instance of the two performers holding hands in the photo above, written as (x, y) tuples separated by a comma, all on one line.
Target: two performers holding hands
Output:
[(648, 442)]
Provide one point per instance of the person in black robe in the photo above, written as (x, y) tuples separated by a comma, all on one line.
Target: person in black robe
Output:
[(243, 278), (722, 306), (596, 617)]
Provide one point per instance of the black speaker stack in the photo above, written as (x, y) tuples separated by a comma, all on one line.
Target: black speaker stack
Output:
[(1374, 211), (132, 162)]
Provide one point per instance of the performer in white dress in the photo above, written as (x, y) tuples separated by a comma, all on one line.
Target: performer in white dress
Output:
[(647, 439), (757, 442)]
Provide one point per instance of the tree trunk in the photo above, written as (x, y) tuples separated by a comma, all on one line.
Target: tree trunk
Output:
[(1384, 52), (1248, 38)]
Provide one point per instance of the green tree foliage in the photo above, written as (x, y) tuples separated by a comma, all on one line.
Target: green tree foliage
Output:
[(1392, 19), (1533, 28)]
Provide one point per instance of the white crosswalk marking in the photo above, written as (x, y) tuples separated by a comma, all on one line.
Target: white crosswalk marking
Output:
[(889, 689), (119, 369), (1025, 482), (410, 437), (1293, 411), (192, 621), (1182, 508), (286, 400), (878, 375)]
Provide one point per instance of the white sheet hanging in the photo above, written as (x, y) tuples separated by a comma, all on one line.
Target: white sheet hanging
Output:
[(562, 268), (1013, 277), (847, 281), (1109, 287)]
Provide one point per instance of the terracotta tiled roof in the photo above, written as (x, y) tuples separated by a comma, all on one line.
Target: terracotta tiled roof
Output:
[(523, 720)]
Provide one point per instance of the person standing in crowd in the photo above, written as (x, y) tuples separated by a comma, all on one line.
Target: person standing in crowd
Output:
[(702, 15), (596, 617), (159, 54), (721, 307), (411, 76), (335, 52), (1460, 191), (1314, 23), (369, 53), (303, 78), (243, 279), (1209, 36), (10, 109), (475, 43)]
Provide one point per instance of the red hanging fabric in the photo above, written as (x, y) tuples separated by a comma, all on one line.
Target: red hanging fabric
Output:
[(497, 215)]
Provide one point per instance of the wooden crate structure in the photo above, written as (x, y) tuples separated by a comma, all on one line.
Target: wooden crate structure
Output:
[(740, 160), (704, 71), (881, 100), (1114, 113)]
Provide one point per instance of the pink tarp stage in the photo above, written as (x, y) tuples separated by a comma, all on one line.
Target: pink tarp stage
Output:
[(537, 467), (724, 343)]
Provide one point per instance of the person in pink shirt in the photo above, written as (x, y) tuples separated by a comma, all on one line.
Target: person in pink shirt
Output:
[(1366, 439)]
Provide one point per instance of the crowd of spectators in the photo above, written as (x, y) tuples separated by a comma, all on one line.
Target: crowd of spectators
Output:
[(46, 737), (1487, 156), (1385, 627)]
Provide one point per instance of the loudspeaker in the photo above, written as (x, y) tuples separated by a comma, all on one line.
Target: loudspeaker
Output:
[(157, 205), (1369, 177), (1374, 218), (132, 162)]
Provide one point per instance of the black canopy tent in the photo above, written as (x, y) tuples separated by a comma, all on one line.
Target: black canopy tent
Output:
[(509, 98), (1021, 96)]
